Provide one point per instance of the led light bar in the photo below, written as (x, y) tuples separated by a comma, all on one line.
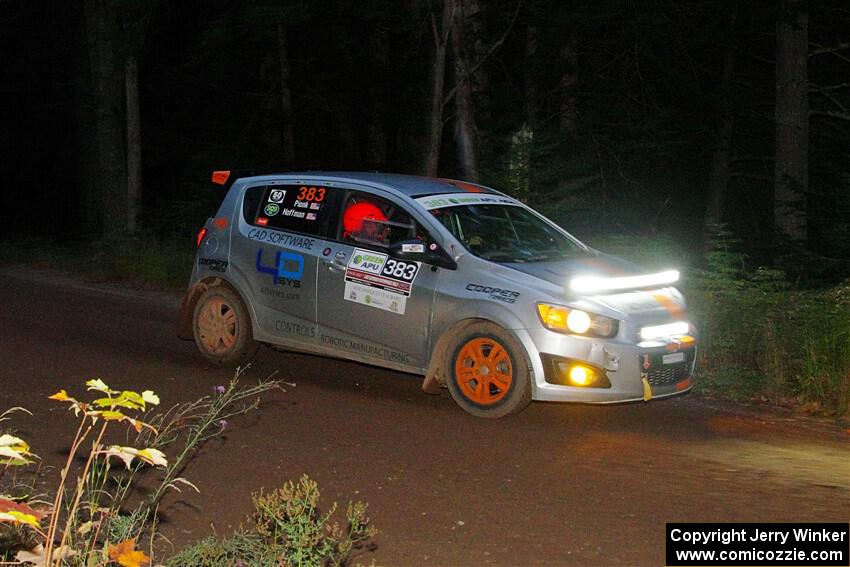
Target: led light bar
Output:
[(591, 283), (668, 330)]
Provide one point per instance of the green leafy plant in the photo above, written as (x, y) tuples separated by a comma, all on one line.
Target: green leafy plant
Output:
[(88, 522), (288, 528)]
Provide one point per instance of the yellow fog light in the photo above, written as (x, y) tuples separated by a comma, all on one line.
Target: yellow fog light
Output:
[(580, 376), (576, 373)]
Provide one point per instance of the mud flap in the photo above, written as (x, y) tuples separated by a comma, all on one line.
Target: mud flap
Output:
[(187, 306), (431, 385)]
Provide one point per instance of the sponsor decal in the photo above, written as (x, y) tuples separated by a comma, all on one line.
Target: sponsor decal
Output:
[(288, 268), (277, 195), (673, 358), (393, 278), (375, 297), (271, 209), (432, 247), (279, 294), (291, 328), (287, 240), (371, 350), (413, 248), (495, 293), (213, 265), (456, 199), (262, 221), (367, 261), (378, 270), (326, 252), (340, 255)]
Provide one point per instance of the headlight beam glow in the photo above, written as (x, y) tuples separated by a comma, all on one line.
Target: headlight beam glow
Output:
[(662, 331), (586, 284)]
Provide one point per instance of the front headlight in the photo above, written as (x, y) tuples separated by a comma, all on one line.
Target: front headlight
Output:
[(576, 321)]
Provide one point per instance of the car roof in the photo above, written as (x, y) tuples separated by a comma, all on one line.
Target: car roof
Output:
[(409, 185)]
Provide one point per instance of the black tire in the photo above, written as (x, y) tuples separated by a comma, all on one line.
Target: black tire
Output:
[(478, 389), (222, 327)]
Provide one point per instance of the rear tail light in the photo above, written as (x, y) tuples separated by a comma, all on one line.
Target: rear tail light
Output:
[(200, 237)]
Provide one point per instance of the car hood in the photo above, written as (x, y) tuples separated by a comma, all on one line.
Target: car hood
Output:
[(561, 271), (659, 303)]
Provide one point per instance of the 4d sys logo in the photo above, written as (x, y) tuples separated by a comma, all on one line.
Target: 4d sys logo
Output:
[(288, 268)]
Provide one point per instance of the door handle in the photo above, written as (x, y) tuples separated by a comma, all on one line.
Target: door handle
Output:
[(334, 266)]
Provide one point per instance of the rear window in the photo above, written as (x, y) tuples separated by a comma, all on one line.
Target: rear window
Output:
[(295, 208)]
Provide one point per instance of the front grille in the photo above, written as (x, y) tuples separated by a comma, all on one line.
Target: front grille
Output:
[(668, 374), (659, 374)]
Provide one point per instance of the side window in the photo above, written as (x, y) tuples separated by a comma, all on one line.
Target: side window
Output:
[(372, 220), (297, 208)]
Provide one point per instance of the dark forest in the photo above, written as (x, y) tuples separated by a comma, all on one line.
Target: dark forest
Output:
[(612, 117)]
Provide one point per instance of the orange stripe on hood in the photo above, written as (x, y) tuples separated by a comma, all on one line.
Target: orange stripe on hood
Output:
[(669, 305)]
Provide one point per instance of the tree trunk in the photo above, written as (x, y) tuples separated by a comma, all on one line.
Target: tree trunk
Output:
[(568, 113), (377, 114), (287, 126), (102, 29), (530, 94), (466, 134), (792, 123), (134, 144), (434, 125), (476, 36), (718, 178), (84, 119)]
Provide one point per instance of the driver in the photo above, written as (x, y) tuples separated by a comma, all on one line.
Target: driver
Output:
[(364, 220)]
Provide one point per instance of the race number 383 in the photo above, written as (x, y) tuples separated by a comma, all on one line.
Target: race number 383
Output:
[(400, 270)]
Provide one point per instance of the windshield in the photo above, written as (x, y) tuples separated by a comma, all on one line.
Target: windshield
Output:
[(503, 233)]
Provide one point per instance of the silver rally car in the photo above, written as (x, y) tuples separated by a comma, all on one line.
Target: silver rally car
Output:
[(446, 279)]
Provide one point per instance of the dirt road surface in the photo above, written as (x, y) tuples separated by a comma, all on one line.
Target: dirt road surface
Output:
[(556, 485)]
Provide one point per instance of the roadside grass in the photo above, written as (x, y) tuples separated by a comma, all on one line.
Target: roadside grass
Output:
[(287, 527), (100, 516), (144, 261), (762, 339)]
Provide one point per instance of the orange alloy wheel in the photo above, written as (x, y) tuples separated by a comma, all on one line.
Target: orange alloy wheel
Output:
[(483, 371), (217, 326)]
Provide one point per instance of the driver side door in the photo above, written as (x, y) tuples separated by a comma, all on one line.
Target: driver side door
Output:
[(372, 305)]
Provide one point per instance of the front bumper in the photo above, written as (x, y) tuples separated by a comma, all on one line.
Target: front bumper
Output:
[(666, 369)]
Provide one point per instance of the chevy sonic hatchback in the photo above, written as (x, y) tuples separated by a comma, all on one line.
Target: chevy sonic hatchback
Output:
[(453, 281)]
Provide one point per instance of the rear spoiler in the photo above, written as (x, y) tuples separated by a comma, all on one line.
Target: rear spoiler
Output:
[(226, 177)]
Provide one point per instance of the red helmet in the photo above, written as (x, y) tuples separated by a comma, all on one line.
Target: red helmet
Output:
[(352, 219)]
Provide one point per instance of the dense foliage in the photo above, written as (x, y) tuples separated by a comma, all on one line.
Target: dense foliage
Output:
[(616, 116)]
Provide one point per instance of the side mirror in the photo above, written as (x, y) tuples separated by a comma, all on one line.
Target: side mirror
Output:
[(416, 251)]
